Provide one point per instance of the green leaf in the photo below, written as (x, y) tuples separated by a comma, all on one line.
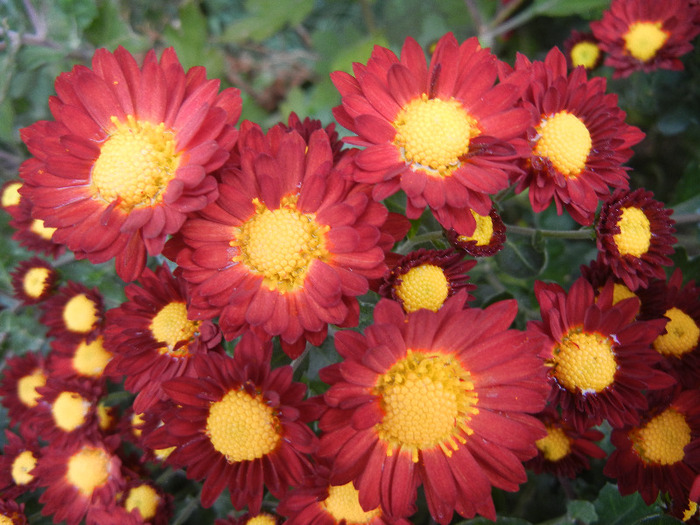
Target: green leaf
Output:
[(521, 258), (581, 511), (110, 30), (82, 11), (265, 18), (568, 8), (614, 509)]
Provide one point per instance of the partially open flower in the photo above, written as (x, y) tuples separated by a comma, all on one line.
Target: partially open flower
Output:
[(583, 49), (488, 238), (17, 462), (33, 280)]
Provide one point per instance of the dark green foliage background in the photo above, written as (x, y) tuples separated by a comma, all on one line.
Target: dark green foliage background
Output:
[(280, 54)]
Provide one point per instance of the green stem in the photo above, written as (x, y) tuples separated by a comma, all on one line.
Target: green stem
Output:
[(186, 511), (686, 218), (420, 239), (583, 233)]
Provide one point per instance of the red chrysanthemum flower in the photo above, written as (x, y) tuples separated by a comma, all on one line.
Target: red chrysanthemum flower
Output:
[(579, 140), (238, 425), (679, 343), (80, 477), (261, 518), (441, 132), (288, 245), (10, 196), (17, 462), (564, 451), (600, 359), (598, 273), (139, 503), (33, 233), (33, 280), (72, 410), (582, 49), (128, 155), (644, 35), (426, 278), (662, 452), (74, 312), (22, 376), (12, 513), (306, 128), (141, 425), (320, 503), (73, 357), (488, 238), (439, 398), (634, 234), (152, 339)]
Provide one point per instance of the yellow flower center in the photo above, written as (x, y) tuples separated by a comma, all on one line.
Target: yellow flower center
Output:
[(690, 511), (88, 469), (145, 498), (22, 467), (434, 134), (585, 54), (37, 227), (343, 503), (483, 232), (262, 519), (644, 39), (163, 453), (90, 359), (423, 286), (11, 195), (105, 416), (565, 140), (34, 282), (555, 445), (621, 292), (281, 245), (682, 334), (80, 314), (243, 428), (136, 421), (663, 439), (171, 325), (584, 361), (635, 232), (136, 164), (427, 398), (69, 410), (8, 520), (27, 385)]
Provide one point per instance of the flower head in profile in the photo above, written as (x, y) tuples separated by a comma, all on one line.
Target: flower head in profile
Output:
[(582, 49), (288, 246), (600, 359), (579, 140), (17, 462), (317, 501), (239, 425), (634, 234), (74, 312), (488, 237), (564, 451), (644, 35), (33, 280), (661, 452), (442, 131), (152, 339), (128, 154), (79, 478), (434, 398), (426, 278)]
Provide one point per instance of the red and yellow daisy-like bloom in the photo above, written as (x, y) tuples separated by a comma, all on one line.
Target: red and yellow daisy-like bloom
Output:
[(634, 235), (10, 196), (288, 245), (564, 451), (139, 503), (583, 49), (600, 360), (679, 343), (152, 339), (79, 478), (439, 398), (33, 233), (17, 462), (579, 140), (426, 278), (238, 425), (320, 503), (598, 273), (662, 452), (12, 513), (74, 312), (128, 154), (488, 237), (33, 280), (22, 376), (71, 357), (442, 132), (644, 35), (261, 518)]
